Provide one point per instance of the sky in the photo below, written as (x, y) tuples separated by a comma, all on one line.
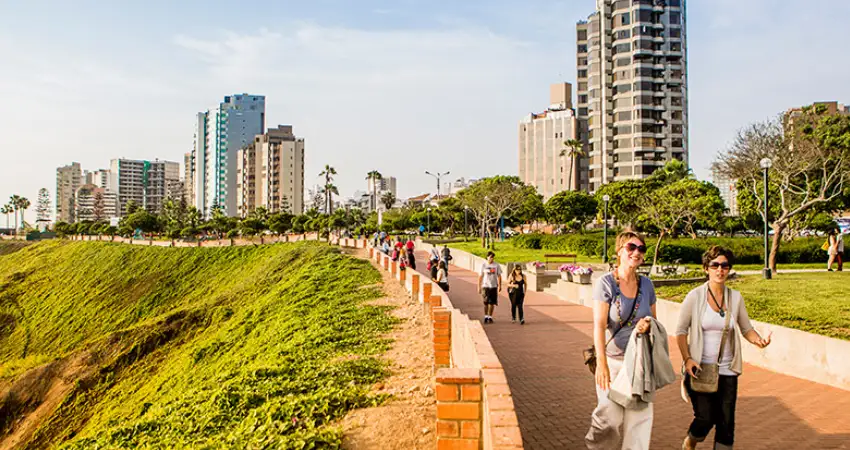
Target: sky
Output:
[(400, 86)]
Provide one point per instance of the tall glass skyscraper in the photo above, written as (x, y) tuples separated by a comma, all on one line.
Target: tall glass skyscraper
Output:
[(220, 133)]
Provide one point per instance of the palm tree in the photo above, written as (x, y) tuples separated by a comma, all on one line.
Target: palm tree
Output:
[(328, 173), (573, 150), (388, 199), (23, 205), (14, 202), (7, 209), (374, 176)]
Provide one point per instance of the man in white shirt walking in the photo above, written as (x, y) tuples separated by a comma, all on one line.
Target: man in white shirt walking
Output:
[(489, 285)]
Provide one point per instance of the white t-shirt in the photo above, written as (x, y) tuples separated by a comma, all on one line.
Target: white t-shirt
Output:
[(492, 273), (712, 329), (840, 238)]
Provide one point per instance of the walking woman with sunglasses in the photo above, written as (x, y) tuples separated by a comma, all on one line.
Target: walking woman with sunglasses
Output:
[(623, 302), (711, 350)]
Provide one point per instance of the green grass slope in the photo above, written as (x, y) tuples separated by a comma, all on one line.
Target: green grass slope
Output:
[(235, 347)]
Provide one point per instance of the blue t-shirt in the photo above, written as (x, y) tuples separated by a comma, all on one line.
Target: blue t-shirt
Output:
[(606, 290)]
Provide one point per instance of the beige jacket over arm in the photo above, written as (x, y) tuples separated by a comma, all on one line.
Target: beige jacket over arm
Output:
[(690, 323)]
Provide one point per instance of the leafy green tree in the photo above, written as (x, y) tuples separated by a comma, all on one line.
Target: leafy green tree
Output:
[(329, 189), (625, 198), (6, 210), (131, 206), (810, 154), (574, 209), (707, 207), (280, 223), (670, 206), (142, 220), (489, 199), (531, 209)]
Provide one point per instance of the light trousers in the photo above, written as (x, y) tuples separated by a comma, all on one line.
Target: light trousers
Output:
[(609, 417)]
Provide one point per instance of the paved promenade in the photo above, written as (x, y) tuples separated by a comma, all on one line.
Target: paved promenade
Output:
[(554, 394)]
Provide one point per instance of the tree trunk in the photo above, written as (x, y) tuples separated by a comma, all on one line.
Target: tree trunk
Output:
[(570, 175), (778, 229), (657, 247), (483, 235)]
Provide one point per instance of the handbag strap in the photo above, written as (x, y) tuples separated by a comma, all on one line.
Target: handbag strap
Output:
[(728, 303), (624, 322)]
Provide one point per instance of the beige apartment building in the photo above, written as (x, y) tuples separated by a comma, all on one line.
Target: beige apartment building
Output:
[(632, 100), (68, 180), (541, 141), (270, 173)]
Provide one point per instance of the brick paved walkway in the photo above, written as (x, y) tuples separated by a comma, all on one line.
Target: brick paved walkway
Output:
[(554, 394)]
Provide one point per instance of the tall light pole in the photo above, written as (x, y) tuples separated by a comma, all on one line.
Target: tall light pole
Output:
[(605, 198), (465, 223), (438, 176), (429, 221), (765, 165)]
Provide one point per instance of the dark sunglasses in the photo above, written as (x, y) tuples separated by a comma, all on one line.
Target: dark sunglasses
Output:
[(632, 247), (723, 265)]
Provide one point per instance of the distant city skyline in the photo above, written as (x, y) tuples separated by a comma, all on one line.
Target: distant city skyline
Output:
[(398, 87)]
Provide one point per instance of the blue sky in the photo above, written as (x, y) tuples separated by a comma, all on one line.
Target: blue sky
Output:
[(401, 87)]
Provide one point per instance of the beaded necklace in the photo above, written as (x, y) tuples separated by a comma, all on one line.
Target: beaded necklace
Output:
[(631, 322)]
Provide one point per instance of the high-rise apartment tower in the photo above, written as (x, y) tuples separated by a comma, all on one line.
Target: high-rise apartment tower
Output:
[(632, 88), (68, 179), (220, 133), (270, 173), (542, 139)]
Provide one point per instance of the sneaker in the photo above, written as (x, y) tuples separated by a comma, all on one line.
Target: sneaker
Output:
[(513, 319), (522, 321)]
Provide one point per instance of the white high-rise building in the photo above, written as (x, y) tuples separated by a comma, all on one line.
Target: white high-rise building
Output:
[(728, 191), (68, 180), (220, 133), (541, 141), (145, 182), (632, 88)]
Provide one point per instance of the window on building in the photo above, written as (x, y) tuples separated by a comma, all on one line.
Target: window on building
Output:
[(675, 18)]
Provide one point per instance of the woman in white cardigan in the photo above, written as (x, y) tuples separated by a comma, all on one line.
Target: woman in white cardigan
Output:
[(698, 335)]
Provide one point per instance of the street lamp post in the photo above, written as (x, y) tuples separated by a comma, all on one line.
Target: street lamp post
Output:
[(765, 165), (465, 223), (429, 222), (438, 176), (605, 198)]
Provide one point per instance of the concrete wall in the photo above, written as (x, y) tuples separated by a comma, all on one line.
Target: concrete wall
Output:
[(792, 352), (469, 349)]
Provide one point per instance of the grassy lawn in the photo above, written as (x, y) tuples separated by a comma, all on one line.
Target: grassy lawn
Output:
[(507, 252), (231, 347), (813, 302)]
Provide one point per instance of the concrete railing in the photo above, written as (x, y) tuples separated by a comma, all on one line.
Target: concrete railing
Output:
[(474, 404), (792, 352)]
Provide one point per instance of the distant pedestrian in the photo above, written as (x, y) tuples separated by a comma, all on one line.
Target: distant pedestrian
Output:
[(516, 292), (410, 245), (421, 230), (411, 258), (442, 278), (839, 254), (711, 350), (832, 248), (489, 285), (446, 255)]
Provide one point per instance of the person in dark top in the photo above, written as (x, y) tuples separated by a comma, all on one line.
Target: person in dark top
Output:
[(411, 260), (446, 256), (516, 292)]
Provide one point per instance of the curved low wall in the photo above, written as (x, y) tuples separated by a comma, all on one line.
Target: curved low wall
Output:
[(792, 352), (464, 358)]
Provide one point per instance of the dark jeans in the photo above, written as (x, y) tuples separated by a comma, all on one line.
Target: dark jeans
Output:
[(517, 298), (715, 410)]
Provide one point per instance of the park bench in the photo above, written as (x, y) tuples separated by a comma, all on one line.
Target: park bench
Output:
[(671, 268), (558, 258)]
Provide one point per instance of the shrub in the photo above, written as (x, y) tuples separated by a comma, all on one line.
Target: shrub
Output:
[(689, 251)]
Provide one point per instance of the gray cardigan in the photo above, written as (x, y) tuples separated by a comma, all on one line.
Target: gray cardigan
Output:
[(646, 368), (690, 323)]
